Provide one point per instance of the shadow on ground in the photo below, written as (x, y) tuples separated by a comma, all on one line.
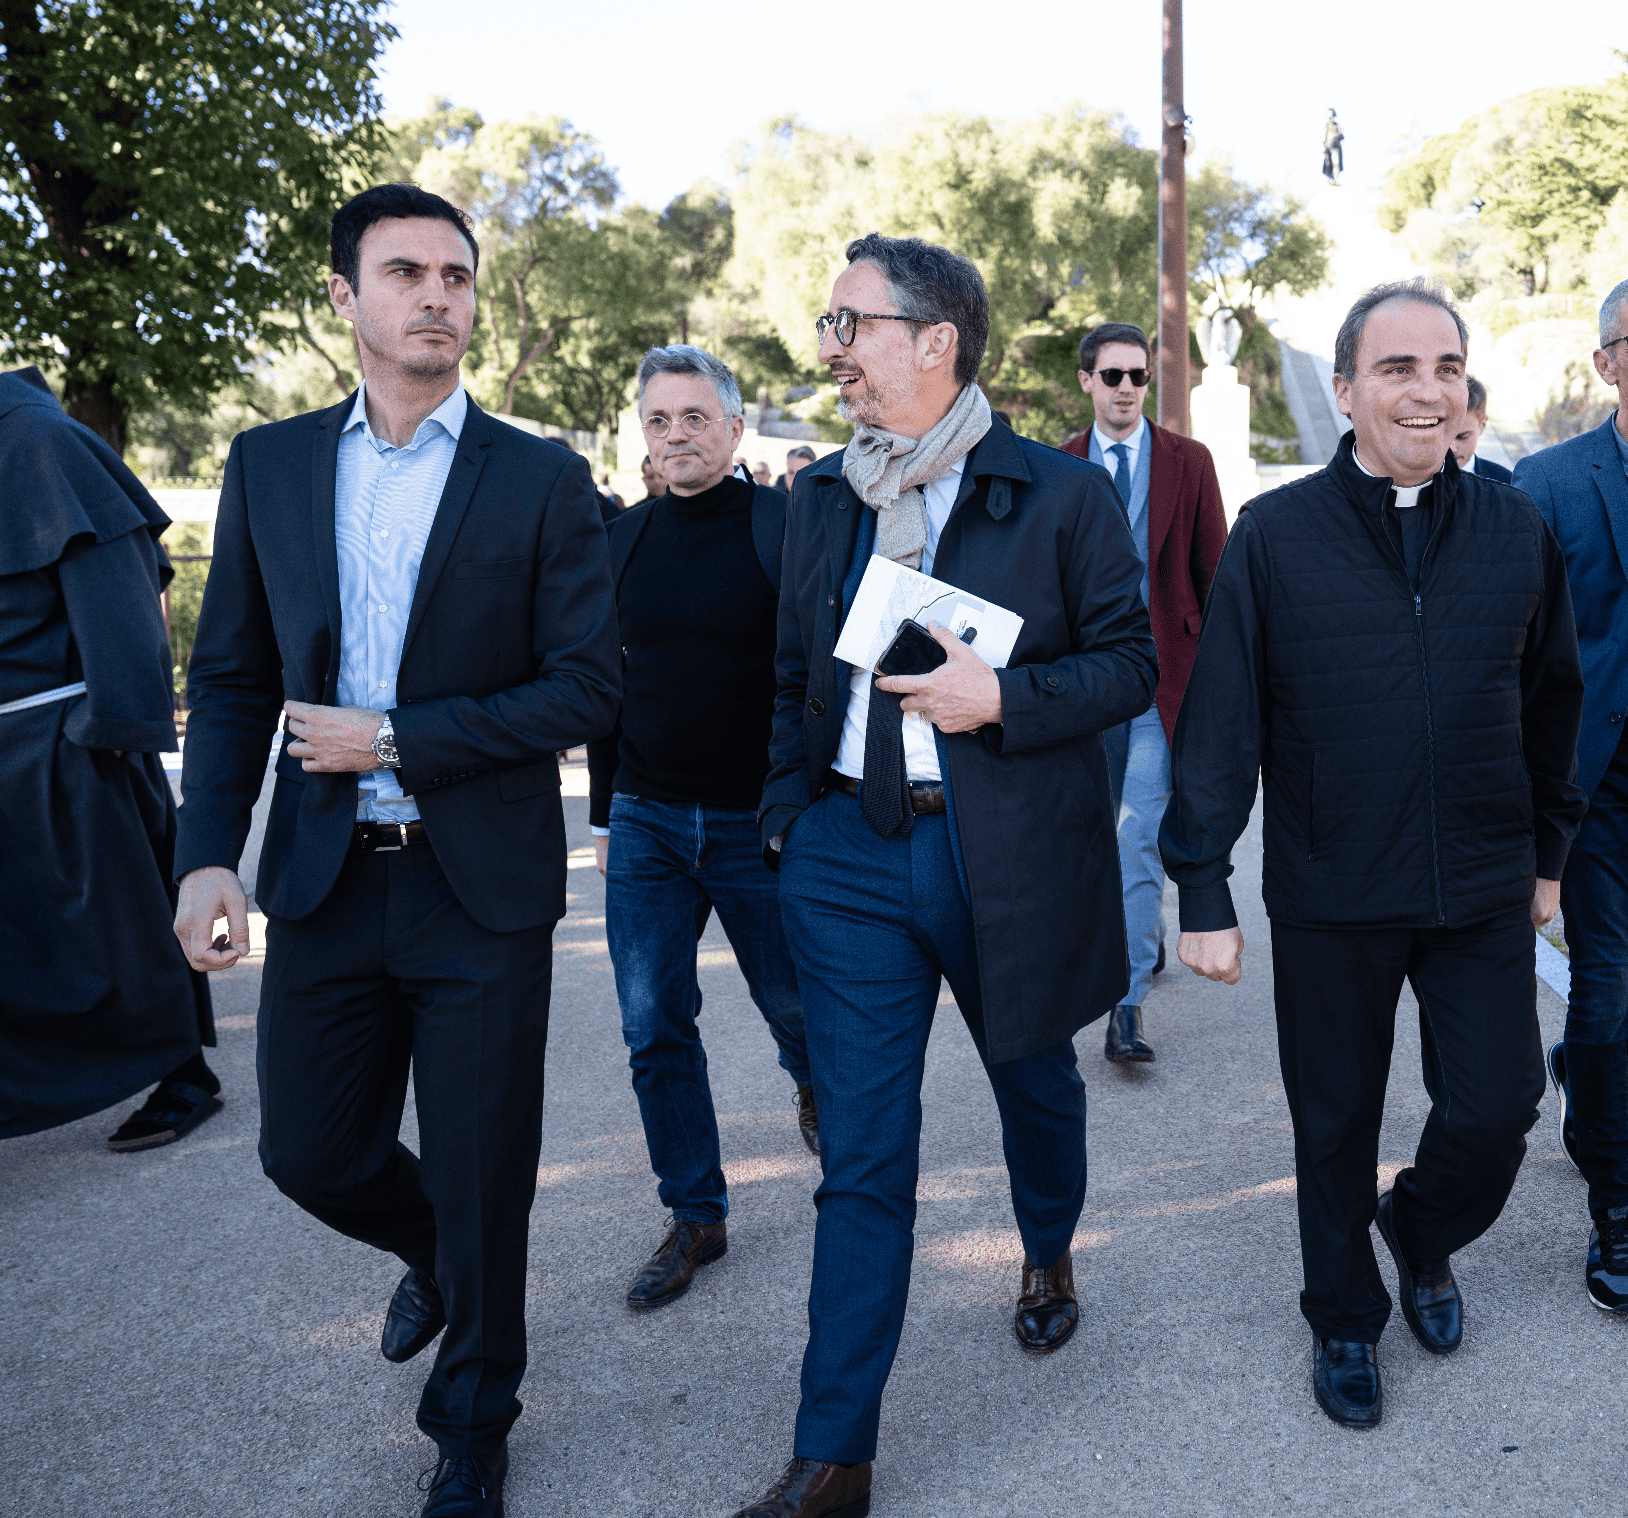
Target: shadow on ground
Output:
[(179, 1340)]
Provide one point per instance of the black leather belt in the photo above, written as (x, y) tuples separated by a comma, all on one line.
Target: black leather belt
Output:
[(382, 837), (926, 796)]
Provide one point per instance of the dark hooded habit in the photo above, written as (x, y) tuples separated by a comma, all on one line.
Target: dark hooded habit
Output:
[(96, 999)]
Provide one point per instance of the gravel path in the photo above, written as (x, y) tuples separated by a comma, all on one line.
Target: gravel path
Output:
[(177, 1339)]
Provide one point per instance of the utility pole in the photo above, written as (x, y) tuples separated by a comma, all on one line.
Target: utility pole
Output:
[(1173, 234)]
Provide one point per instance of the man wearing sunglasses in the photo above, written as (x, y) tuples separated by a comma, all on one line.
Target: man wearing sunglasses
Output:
[(1581, 487), (673, 789), (1167, 488), (950, 826)]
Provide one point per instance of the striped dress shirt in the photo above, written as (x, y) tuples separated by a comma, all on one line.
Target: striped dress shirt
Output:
[(385, 499)]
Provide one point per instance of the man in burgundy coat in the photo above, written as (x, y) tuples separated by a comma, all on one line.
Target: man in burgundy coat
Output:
[(1168, 489)]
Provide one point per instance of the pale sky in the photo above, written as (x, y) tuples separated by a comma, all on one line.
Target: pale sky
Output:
[(667, 89)]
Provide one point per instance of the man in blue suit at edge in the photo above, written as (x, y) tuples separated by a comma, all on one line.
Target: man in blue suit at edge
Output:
[(1581, 487)]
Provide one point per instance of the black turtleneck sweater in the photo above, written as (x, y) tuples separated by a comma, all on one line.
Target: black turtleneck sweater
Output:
[(698, 638)]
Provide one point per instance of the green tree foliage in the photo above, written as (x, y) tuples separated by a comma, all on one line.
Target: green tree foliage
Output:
[(167, 169), (1059, 212), (1514, 199)]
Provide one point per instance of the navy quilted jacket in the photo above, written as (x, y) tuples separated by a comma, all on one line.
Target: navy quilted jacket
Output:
[(1417, 749)]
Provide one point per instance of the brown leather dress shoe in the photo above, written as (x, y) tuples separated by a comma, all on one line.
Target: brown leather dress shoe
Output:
[(1047, 1312), (808, 1119), (815, 1489), (667, 1274)]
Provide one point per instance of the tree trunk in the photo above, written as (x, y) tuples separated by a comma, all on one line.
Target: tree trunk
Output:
[(94, 403)]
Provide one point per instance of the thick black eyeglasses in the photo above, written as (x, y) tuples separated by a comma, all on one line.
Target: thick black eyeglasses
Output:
[(1606, 347), (1112, 377), (847, 323)]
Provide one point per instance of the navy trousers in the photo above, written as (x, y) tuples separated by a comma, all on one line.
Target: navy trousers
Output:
[(874, 924), (1594, 898)]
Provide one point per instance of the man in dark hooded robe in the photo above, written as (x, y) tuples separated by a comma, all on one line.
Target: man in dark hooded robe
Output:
[(97, 1001)]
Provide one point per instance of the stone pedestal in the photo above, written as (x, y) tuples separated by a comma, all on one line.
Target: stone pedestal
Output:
[(1220, 411)]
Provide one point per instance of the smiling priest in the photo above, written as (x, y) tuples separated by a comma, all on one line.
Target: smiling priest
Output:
[(1390, 643)]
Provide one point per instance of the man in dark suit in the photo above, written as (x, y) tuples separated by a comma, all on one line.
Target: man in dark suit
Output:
[(1468, 436), (1581, 487), (423, 592), (954, 825), (1172, 500)]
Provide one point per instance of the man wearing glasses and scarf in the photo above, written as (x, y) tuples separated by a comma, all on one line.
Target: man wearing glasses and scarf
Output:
[(952, 826)]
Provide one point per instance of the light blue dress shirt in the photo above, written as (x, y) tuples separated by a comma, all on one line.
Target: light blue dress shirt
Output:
[(1141, 467), (385, 499)]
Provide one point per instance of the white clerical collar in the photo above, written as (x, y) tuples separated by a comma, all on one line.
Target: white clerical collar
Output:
[(1406, 495)]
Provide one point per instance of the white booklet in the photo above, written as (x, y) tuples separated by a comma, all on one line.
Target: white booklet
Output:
[(890, 594)]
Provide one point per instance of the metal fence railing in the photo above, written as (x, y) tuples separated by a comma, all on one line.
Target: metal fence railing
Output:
[(182, 628)]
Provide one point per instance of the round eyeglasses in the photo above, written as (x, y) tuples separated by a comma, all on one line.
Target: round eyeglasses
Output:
[(691, 424), (847, 323)]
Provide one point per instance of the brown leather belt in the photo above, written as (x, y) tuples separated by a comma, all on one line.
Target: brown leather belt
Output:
[(383, 837), (926, 796)]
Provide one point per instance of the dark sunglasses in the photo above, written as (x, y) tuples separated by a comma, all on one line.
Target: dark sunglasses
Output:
[(1112, 377)]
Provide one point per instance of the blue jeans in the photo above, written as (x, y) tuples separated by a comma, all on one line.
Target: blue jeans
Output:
[(1594, 897), (670, 864), (1144, 794), (874, 924)]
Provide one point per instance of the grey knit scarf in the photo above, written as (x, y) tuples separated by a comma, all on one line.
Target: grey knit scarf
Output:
[(887, 472)]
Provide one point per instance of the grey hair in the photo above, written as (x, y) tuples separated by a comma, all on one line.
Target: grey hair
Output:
[(1611, 314), (1421, 290), (805, 452), (681, 358)]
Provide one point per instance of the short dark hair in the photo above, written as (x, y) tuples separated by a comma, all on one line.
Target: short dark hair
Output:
[(1421, 291), (931, 284), (804, 452), (1478, 395), (1098, 338), (382, 203)]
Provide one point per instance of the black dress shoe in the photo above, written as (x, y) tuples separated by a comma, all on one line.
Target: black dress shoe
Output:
[(171, 1112), (1607, 1272), (1125, 1041), (1568, 1119), (667, 1274), (1431, 1303), (1047, 1310), (815, 1489), (1345, 1379), (417, 1314), (465, 1486), (1158, 964), (808, 1119)]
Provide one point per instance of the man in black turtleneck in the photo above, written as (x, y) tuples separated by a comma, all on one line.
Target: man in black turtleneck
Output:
[(1389, 645), (674, 790)]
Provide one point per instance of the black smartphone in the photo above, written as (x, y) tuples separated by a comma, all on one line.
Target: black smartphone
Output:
[(913, 651)]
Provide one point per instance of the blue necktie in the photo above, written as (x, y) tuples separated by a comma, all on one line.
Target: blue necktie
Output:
[(1122, 478)]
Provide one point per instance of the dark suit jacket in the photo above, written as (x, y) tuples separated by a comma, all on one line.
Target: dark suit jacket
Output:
[(1580, 489), (510, 655), (1491, 471), (1041, 534), (1187, 530)]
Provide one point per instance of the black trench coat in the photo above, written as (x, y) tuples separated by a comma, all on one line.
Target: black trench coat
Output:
[(96, 999), (1039, 532)]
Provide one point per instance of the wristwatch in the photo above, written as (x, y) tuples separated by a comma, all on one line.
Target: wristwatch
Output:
[(384, 746)]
